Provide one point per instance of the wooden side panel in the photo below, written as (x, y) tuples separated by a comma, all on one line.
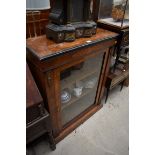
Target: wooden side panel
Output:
[(32, 94), (106, 71), (48, 84), (39, 79), (53, 97), (100, 87)]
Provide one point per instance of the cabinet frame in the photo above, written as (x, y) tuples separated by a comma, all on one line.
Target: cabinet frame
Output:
[(51, 84), (47, 75)]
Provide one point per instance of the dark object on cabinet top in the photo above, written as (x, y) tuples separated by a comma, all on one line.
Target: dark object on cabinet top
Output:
[(70, 19)]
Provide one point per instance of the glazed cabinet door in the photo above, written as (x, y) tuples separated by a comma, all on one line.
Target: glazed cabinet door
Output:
[(79, 83)]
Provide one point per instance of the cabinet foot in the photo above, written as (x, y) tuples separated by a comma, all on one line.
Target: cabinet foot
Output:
[(51, 141)]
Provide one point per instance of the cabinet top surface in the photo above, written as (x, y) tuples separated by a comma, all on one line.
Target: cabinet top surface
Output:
[(43, 48)]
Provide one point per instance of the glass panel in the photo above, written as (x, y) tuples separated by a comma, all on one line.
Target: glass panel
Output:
[(78, 87), (114, 12)]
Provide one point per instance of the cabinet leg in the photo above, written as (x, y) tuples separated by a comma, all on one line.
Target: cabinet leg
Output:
[(107, 94), (51, 141)]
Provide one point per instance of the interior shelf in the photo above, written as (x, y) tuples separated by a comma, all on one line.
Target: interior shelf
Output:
[(74, 110), (89, 68), (74, 98)]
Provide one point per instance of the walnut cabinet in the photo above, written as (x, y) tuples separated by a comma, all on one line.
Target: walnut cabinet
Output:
[(71, 77)]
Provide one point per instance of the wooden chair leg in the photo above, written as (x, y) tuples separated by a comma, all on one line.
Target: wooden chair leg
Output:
[(122, 84), (107, 94)]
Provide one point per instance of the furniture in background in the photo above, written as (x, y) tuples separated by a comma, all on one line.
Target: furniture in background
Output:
[(36, 22), (104, 15), (71, 77), (37, 118), (119, 76), (114, 16), (37, 12)]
